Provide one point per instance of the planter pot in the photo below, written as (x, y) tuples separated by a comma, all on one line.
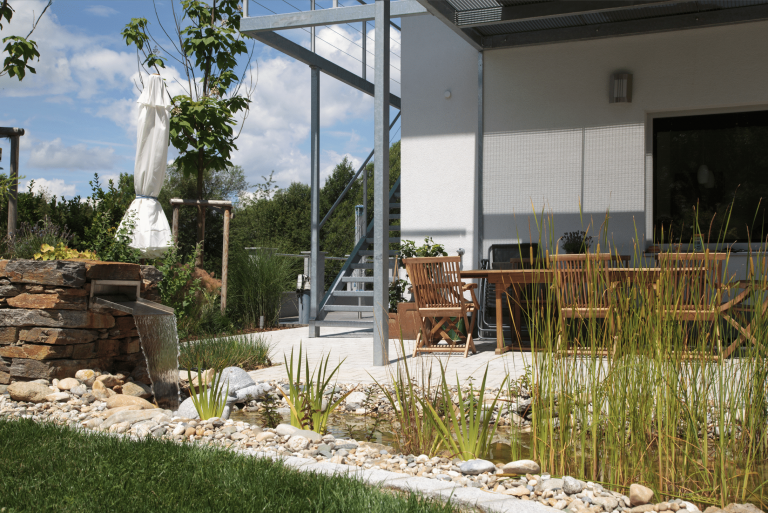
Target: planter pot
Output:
[(405, 322)]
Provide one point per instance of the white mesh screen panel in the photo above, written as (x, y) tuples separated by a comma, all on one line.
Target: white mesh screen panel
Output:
[(532, 169), (614, 169)]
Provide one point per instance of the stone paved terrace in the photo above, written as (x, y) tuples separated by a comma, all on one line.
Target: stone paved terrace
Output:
[(358, 351)]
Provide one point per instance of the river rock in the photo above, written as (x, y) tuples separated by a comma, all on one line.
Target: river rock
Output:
[(252, 392), (127, 400), (309, 435), (285, 430), (187, 409), (133, 416), (29, 392), (137, 390), (236, 378), (518, 491), (101, 392), (355, 400), (607, 503), (57, 396), (639, 494), (47, 272), (86, 376), (68, 384), (109, 381), (266, 435), (297, 443), (549, 484), (79, 390), (572, 485), (522, 467), (741, 508), (476, 467)]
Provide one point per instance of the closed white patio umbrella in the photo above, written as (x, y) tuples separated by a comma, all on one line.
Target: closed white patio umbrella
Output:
[(151, 234)]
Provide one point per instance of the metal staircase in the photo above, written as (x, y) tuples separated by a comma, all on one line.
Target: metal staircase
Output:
[(338, 289)]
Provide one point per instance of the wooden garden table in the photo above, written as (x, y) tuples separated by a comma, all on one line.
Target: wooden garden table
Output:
[(505, 278)]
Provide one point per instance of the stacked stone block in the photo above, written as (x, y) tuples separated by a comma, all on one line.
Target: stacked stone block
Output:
[(49, 328)]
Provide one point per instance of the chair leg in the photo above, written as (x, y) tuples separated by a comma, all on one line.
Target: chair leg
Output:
[(470, 339)]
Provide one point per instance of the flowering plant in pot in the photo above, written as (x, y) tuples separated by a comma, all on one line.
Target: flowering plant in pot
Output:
[(576, 242)]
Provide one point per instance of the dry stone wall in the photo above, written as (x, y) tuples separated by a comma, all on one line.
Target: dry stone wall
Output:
[(49, 329)]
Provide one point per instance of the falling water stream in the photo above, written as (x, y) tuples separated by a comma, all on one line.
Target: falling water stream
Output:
[(160, 344)]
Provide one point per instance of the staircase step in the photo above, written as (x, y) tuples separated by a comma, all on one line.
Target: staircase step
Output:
[(394, 227), (357, 279), (360, 266), (344, 324), (369, 252), (394, 216), (394, 205), (353, 293), (391, 240), (347, 308)]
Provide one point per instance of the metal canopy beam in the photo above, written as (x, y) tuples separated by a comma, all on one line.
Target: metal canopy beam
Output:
[(355, 13), (629, 28), (447, 14), (549, 10), (301, 54)]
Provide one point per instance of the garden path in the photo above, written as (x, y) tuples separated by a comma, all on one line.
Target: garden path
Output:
[(357, 350)]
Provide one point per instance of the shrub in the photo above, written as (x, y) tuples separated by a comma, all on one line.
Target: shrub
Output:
[(178, 286), (244, 351), (61, 252), (111, 243), (576, 242), (32, 236), (256, 285)]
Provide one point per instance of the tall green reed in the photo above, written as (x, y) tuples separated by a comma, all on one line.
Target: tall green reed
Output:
[(653, 400)]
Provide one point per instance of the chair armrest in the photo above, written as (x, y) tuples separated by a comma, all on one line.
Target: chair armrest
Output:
[(468, 286)]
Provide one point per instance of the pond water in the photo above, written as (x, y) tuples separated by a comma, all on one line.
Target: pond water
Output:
[(357, 427)]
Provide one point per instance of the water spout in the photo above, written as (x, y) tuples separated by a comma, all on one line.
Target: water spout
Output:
[(159, 338)]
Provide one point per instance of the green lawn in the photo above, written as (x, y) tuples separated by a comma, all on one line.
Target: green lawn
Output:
[(51, 468)]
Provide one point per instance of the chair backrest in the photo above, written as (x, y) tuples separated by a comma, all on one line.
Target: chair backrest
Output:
[(582, 280), (690, 280), (513, 256), (436, 281)]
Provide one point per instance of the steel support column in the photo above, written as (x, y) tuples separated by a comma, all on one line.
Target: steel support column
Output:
[(13, 192), (315, 273), (381, 188), (475, 263)]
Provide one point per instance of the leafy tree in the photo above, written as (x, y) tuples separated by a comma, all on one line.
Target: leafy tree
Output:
[(203, 120), (19, 50)]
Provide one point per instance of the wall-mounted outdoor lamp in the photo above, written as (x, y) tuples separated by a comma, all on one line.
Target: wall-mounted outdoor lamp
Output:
[(705, 177), (621, 88)]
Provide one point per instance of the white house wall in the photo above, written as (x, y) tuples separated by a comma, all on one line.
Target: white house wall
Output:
[(553, 143), (438, 136)]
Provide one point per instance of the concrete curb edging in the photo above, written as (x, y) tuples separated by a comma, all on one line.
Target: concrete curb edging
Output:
[(489, 502)]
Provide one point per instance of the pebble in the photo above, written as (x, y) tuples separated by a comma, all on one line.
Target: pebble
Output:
[(96, 408)]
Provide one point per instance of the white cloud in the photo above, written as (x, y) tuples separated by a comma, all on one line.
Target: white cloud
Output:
[(101, 10), (55, 187), (55, 155), (71, 63), (279, 122)]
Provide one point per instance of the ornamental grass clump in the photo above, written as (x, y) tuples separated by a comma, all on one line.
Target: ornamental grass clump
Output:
[(249, 352), (648, 395), (407, 394), (210, 400), (306, 400), (467, 425)]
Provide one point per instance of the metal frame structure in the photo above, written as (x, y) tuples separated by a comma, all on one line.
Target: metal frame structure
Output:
[(483, 24)]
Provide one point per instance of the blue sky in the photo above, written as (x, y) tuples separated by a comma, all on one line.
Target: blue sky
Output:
[(79, 109)]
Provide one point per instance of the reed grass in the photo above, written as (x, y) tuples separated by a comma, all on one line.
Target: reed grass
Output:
[(652, 400), (249, 352)]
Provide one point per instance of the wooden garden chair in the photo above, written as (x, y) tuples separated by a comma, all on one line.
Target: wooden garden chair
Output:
[(439, 295), (583, 287)]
